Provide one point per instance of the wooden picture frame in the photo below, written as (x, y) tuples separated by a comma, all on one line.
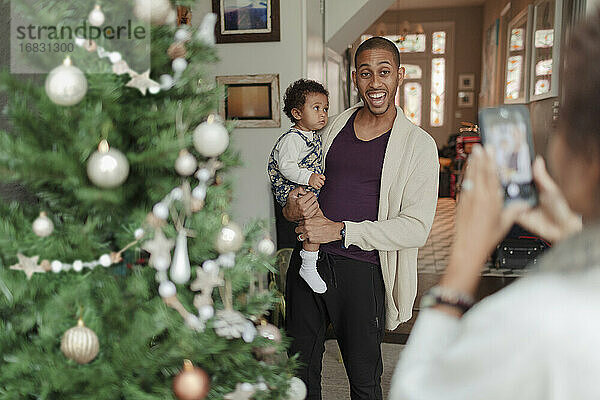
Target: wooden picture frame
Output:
[(518, 54), (466, 82), (244, 23), (466, 99), (543, 10), (251, 100)]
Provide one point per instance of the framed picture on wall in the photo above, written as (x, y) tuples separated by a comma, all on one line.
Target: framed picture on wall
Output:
[(465, 99), (251, 100), (466, 81), (547, 23), (518, 49), (241, 21)]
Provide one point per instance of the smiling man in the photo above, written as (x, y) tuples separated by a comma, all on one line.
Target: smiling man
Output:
[(373, 213)]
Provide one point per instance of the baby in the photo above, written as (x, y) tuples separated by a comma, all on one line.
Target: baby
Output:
[(297, 156)]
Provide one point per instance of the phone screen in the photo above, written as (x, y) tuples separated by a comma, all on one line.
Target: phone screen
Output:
[(507, 130)]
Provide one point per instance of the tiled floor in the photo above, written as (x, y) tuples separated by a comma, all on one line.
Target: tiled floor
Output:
[(433, 257)]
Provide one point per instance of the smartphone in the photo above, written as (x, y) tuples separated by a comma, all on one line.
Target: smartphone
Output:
[(507, 130)]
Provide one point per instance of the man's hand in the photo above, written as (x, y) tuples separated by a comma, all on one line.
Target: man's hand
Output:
[(319, 229), (316, 180), (300, 205)]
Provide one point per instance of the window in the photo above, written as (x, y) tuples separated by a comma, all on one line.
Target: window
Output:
[(438, 45), (438, 91), (412, 102)]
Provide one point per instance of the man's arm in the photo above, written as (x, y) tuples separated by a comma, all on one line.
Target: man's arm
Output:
[(300, 204)]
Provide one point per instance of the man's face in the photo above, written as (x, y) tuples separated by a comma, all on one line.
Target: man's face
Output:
[(377, 77)]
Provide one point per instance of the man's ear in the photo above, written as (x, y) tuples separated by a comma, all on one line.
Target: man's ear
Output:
[(297, 114), (401, 73), (354, 78)]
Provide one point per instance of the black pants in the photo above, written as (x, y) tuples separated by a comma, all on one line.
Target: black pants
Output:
[(354, 304)]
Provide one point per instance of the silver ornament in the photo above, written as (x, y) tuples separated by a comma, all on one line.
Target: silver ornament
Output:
[(180, 267), (179, 64), (66, 85), (80, 344), (199, 192), (186, 163), (43, 226), (105, 260), (266, 247), (226, 260), (229, 239), (139, 233), (77, 265), (182, 35), (56, 266), (211, 138), (153, 11), (297, 390), (204, 175), (167, 289), (166, 81), (243, 391), (96, 16), (107, 168), (160, 211)]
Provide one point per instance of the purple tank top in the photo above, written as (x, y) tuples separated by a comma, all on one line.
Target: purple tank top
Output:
[(353, 179)]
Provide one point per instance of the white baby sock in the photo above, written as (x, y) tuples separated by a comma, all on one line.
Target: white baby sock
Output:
[(308, 271)]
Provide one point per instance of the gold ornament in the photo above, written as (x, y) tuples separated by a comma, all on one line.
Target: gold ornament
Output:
[(229, 239), (192, 383), (80, 343), (176, 50), (269, 332), (29, 265)]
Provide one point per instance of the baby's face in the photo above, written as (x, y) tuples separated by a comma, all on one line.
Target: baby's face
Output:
[(314, 112)]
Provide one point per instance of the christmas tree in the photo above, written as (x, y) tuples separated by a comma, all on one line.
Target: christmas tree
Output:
[(121, 273)]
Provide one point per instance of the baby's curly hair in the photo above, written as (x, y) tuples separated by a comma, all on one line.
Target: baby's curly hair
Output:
[(295, 95)]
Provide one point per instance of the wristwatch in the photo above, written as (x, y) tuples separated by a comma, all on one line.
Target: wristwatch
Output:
[(343, 234), (447, 296)]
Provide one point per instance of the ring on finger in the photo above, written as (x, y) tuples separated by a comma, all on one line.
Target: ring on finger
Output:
[(301, 237), (467, 185)]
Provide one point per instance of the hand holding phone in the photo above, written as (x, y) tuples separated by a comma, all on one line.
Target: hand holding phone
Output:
[(507, 131)]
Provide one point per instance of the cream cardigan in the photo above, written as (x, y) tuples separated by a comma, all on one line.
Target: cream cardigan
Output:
[(407, 201)]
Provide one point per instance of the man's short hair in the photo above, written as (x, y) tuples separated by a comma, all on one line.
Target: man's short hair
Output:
[(378, 42)]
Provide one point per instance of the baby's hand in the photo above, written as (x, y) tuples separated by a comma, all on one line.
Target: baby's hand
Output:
[(316, 180)]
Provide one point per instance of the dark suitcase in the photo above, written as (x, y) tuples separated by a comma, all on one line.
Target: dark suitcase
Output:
[(517, 253)]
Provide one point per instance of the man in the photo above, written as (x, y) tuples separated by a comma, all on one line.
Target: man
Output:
[(376, 209)]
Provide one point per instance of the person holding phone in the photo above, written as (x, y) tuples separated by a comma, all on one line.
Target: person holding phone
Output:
[(537, 338)]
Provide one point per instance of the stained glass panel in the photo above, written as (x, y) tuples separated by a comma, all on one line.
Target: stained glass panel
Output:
[(543, 67), (412, 102), (411, 43), (438, 44), (544, 38), (542, 86), (412, 71), (514, 68), (516, 39), (438, 89)]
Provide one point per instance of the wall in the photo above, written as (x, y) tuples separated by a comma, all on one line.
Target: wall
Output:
[(542, 111), (467, 46), (252, 194)]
